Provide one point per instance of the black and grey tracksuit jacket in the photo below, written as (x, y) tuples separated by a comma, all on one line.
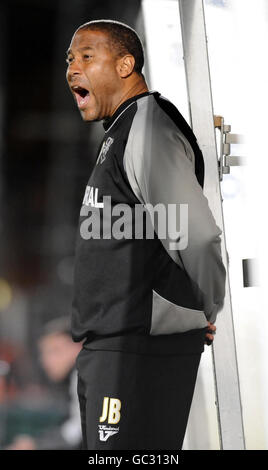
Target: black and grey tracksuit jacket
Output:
[(134, 292)]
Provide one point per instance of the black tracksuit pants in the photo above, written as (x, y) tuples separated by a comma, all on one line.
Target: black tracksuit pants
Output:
[(132, 401)]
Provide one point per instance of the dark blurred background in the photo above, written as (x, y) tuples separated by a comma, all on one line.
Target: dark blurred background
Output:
[(46, 154)]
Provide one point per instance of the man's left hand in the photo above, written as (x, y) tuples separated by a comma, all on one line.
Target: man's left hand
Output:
[(211, 330)]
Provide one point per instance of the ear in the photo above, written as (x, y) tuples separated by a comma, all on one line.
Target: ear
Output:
[(125, 65)]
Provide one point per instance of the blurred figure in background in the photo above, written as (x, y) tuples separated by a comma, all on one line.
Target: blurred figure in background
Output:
[(57, 355)]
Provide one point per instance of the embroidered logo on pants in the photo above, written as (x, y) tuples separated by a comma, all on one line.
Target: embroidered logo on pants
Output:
[(111, 413), (106, 431)]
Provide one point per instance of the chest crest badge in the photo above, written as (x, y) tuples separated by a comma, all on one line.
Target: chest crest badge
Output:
[(104, 150)]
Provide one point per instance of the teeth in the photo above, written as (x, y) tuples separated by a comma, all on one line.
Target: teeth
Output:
[(80, 90)]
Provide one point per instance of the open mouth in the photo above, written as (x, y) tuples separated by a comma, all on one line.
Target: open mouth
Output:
[(81, 95)]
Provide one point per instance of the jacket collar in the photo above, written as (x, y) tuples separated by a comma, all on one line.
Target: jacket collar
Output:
[(108, 122)]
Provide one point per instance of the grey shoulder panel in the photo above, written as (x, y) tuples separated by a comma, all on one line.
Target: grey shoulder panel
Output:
[(150, 122)]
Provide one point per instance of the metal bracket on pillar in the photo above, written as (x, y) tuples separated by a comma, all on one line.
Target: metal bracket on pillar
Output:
[(226, 139), (227, 390)]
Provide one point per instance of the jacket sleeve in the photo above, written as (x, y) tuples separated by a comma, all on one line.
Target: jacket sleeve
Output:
[(159, 163)]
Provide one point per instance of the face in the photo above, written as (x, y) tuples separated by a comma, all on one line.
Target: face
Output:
[(57, 355), (93, 75)]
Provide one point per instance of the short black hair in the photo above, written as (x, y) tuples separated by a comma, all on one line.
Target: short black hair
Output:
[(123, 39)]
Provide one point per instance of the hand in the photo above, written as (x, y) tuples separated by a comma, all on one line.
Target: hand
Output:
[(211, 330)]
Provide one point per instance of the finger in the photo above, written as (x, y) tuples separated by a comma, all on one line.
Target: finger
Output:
[(209, 337), (211, 331), (211, 326)]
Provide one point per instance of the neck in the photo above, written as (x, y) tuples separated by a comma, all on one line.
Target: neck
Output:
[(136, 89)]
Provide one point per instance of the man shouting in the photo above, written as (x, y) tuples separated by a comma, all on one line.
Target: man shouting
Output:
[(146, 294)]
